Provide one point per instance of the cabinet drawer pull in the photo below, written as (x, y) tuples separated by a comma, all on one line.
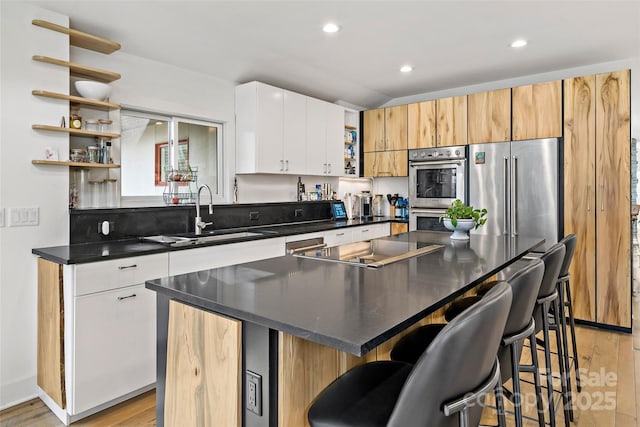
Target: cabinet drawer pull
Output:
[(340, 234), (364, 231), (124, 267), (127, 297)]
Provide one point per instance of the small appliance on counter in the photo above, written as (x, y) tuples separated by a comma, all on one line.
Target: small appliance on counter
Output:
[(364, 203)]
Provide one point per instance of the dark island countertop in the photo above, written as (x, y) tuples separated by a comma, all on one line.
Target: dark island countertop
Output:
[(350, 308), (102, 251)]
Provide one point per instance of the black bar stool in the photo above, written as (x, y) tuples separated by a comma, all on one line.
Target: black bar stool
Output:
[(525, 286), (452, 376), (564, 291)]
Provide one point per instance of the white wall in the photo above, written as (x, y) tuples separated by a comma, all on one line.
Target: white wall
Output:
[(144, 83), (25, 185)]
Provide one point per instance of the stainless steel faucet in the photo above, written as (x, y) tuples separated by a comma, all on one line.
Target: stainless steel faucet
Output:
[(199, 224)]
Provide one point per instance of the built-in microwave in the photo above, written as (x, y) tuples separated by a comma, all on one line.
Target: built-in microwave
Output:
[(437, 177)]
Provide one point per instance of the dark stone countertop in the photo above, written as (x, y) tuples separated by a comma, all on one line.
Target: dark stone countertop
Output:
[(350, 308), (91, 252)]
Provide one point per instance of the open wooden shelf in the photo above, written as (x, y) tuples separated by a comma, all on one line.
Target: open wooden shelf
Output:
[(78, 100), (78, 132), (350, 127), (75, 164), (81, 71), (80, 39)]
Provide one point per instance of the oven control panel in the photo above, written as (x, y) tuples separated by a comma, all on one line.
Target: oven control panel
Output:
[(440, 153)]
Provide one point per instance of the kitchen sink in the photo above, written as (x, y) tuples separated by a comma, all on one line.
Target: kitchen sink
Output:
[(193, 239)]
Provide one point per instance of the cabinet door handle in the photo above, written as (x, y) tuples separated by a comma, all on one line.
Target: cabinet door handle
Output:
[(286, 167), (328, 167), (124, 267), (281, 165), (127, 297), (324, 168)]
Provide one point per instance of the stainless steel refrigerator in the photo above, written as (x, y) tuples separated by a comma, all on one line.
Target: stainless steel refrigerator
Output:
[(518, 183)]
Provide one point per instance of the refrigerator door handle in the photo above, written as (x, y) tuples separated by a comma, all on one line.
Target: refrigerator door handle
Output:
[(514, 197), (505, 208)]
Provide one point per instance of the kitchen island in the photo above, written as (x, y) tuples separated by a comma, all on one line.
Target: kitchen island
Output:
[(295, 324)]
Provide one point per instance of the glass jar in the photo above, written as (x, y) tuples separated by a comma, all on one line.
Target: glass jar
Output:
[(378, 205), (91, 124), (105, 125), (93, 154), (78, 155)]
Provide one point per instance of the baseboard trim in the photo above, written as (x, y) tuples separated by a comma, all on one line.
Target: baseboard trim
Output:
[(17, 392)]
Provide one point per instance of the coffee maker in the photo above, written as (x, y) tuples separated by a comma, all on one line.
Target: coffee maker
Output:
[(365, 204)]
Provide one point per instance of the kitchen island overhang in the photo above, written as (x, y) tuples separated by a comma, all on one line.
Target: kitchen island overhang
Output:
[(331, 306)]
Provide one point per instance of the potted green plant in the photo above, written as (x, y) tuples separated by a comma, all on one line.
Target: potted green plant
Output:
[(461, 218)]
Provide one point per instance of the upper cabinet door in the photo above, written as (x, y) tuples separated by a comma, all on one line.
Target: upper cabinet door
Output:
[(294, 131), (269, 129), (335, 139), (396, 128), (489, 116), (373, 130), (316, 137), (537, 111), (452, 121), (421, 124)]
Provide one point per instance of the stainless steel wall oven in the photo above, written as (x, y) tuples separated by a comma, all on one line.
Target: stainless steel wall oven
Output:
[(437, 176)]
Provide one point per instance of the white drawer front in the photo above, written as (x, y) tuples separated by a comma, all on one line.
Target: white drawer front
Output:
[(372, 231), (113, 274), (298, 237), (188, 261), (115, 345), (338, 237)]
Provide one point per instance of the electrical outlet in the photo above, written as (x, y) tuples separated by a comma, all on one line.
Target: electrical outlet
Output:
[(298, 213), (254, 392), (18, 217), (254, 215)]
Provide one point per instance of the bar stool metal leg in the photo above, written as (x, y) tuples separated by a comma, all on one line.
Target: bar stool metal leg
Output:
[(564, 390), (547, 361), (572, 324), (535, 369), (566, 373)]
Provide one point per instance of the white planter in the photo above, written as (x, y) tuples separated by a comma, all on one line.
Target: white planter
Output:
[(461, 229)]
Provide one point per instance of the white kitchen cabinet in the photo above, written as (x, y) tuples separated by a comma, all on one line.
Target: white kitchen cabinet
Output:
[(190, 260), (371, 231), (337, 237), (283, 132), (115, 345), (270, 130), (325, 138)]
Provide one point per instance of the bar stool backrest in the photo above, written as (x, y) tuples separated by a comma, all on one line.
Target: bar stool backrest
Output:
[(525, 286), (457, 361), (552, 259), (569, 243)]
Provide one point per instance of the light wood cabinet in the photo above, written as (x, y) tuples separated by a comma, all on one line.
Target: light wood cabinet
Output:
[(537, 111), (204, 361), (489, 116), (451, 126), (386, 163), (597, 197), (385, 129), (399, 228), (421, 125)]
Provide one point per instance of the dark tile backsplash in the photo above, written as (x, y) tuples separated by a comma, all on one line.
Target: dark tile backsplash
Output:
[(137, 222)]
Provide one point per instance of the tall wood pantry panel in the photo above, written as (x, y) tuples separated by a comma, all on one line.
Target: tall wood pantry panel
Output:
[(597, 208)]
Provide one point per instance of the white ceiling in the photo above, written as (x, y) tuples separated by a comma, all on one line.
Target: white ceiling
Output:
[(449, 43)]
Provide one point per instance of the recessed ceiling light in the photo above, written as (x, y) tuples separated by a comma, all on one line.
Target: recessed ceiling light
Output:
[(331, 28), (406, 68), (519, 43)]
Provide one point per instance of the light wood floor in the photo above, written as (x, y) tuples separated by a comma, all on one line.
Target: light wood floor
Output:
[(610, 362)]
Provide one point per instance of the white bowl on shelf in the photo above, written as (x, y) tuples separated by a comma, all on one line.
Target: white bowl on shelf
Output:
[(93, 90)]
